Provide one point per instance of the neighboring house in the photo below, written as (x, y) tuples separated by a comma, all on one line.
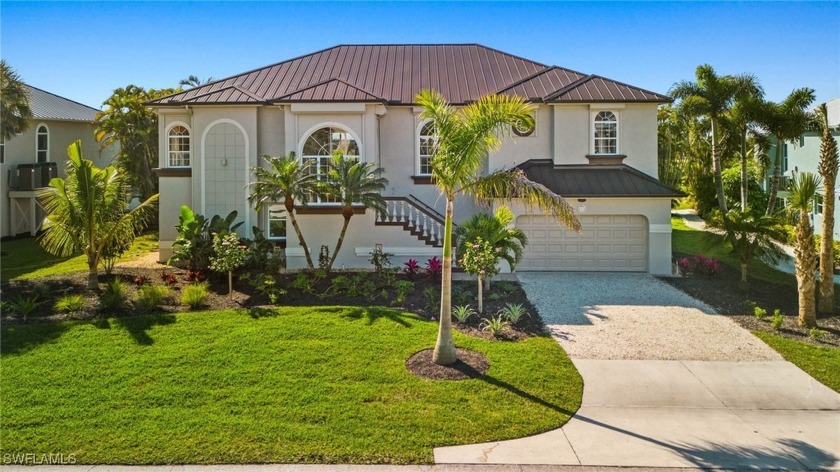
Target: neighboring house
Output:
[(41, 151), (803, 155), (594, 143)]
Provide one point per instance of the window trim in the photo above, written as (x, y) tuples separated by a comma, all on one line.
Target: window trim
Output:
[(594, 115), (417, 155), (333, 125), (168, 157), (37, 148), (268, 220), (2, 150), (533, 133)]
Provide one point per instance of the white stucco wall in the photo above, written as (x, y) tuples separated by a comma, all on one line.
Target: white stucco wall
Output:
[(20, 149)]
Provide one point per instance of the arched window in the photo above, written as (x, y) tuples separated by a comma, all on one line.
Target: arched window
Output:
[(319, 146), (605, 133), (42, 144), (426, 148), (179, 146)]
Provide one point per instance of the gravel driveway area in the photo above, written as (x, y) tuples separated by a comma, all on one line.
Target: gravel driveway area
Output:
[(625, 316)]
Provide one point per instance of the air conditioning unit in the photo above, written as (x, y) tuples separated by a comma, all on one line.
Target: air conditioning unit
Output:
[(27, 177)]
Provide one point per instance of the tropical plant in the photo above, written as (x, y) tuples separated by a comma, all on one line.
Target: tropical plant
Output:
[(23, 306), (786, 121), (127, 120), (228, 255), (194, 243), (480, 259), (352, 182), (802, 192), (513, 312), (115, 295), (712, 96), (828, 171), (753, 235), (88, 212), (150, 297), (434, 266), (412, 267), (194, 295), (465, 138), (285, 180), (777, 320), (380, 259), (495, 230), (494, 325), (402, 289), (72, 303), (742, 119), (15, 110), (759, 313), (462, 313), (194, 81)]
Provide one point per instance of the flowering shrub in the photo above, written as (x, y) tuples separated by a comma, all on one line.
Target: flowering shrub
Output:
[(168, 278), (140, 280), (479, 259), (228, 254), (434, 266), (699, 264)]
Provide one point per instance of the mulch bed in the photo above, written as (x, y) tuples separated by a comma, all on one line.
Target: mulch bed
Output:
[(378, 290), (725, 293), (470, 364)]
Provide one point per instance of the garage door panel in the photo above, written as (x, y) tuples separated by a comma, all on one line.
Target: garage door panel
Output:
[(606, 243)]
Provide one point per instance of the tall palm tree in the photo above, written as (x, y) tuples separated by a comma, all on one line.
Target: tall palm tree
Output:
[(742, 116), (285, 180), (712, 95), (496, 231), (465, 138), (194, 81), (15, 112), (352, 182), (88, 212), (828, 171), (802, 192), (786, 121)]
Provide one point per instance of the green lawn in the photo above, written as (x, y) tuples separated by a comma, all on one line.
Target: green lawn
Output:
[(691, 241), (26, 259), (820, 362), (324, 384)]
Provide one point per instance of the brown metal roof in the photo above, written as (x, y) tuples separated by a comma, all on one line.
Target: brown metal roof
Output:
[(395, 73), (596, 180)]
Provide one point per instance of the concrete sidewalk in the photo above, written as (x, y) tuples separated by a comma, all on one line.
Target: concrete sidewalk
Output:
[(324, 468)]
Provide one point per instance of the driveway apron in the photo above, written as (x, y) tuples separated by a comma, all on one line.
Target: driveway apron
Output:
[(667, 383)]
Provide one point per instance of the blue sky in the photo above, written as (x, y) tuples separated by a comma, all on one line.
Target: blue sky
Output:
[(85, 50)]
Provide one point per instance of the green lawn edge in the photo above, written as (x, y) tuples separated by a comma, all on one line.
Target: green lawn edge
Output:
[(308, 384), (820, 362)]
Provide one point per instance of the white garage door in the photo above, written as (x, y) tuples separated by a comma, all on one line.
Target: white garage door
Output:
[(606, 243)]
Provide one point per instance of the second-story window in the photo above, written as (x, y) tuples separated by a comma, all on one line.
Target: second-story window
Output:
[(426, 149), (42, 144), (318, 148), (179, 146), (605, 134)]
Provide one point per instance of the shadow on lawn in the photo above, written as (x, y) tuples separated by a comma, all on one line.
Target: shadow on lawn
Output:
[(137, 326), (18, 338), (522, 393), (373, 314)]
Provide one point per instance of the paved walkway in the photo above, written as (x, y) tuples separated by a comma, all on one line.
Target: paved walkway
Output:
[(785, 264), (692, 410)]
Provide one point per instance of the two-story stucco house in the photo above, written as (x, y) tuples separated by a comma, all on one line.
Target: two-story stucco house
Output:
[(803, 155), (594, 143), (30, 159)]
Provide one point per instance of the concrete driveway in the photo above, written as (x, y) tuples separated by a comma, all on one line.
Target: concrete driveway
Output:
[(668, 383)]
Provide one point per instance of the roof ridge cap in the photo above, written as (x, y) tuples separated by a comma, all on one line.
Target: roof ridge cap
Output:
[(571, 86), (525, 79), (247, 92), (324, 82), (594, 76)]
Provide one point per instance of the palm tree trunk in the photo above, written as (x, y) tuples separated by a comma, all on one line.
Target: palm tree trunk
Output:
[(774, 183), (290, 210), (744, 181), (827, 249), (716, 163), (445, 353), (806, 261), (744, 272), (347, 212), (93, 273)]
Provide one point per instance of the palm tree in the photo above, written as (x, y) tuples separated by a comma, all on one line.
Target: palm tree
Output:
[(712, 96), (786, 121), (828, 171), (194, 81), (465, 138), (802, 192), (742, 116), (755, 235), (88, 212), (352, 182), (496, 231), (285, 180), (15, 113)]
